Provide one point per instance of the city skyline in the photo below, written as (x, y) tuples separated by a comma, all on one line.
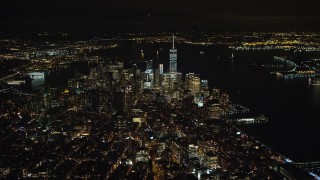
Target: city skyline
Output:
[(171, 89), (130, 117)]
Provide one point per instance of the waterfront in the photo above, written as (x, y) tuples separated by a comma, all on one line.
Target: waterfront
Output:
[(291, 105)]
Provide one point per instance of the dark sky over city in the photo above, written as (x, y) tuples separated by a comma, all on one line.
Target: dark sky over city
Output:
[(157, 15)]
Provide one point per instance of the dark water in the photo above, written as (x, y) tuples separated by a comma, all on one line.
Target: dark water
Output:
[(293, 107)]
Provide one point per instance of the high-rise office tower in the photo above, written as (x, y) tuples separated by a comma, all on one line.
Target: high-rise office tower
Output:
[(161, 68), (165, 84), (149, 75), (119, 100), (193, 83), (149, 65), (121, 123), (173, 58), (157, 77), (205, 88), (135, 80)]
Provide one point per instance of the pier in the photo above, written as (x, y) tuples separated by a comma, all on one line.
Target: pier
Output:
[(287, 62), (251, 120), (296, 71)]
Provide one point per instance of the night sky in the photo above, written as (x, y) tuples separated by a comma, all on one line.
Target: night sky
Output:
[(159, 15)]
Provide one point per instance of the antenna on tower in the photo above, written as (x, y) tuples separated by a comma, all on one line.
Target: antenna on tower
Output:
[(172, 41)]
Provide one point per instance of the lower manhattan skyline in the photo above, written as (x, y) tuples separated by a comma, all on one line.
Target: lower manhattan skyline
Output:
[(159, 89)]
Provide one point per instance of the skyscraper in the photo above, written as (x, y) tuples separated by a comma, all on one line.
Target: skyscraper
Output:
[(165, 84), (161, 68), (149, 75), (173, 58), (193, 83)]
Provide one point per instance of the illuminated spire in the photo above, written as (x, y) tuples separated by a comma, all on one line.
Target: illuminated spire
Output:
[(172, 41)]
